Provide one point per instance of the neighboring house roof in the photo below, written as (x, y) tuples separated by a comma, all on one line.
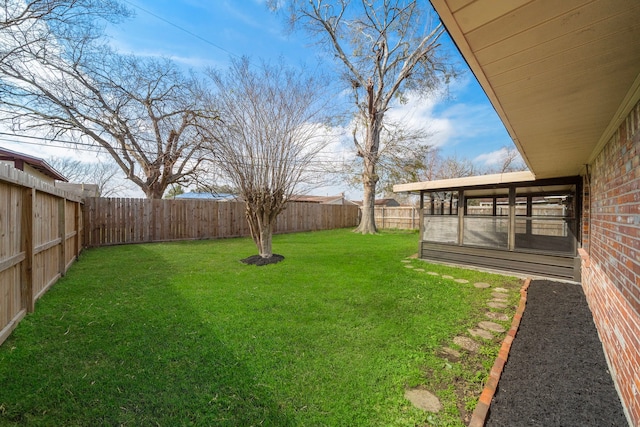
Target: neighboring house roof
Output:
[(207, 196), (20, 159), (381, 202), (387, 202), (561, 75), (324, 200)]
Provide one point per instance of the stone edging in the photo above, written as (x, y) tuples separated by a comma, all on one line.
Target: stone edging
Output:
[(479, 416)]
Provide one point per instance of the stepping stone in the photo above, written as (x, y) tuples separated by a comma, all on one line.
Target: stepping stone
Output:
[(499, 296), (420, 269), (503, 290), (467, 344), (496, 304), (405, 260), (450, 354), (497, 316), (444, 276), (422, 399), (433, 273), (492, 326), (482, 333), (461, 281), (408, 266), (482, 285)]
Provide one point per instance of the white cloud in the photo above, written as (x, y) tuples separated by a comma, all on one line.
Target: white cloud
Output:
[(492, 158), (450, 123), (419, 113), (496, 157)]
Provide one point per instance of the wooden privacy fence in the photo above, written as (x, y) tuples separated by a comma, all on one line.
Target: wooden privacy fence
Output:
[(113, 221), (398, 217), (40, 237)]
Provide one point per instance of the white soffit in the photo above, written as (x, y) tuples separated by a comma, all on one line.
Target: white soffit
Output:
[(562, 74), (471, 181)]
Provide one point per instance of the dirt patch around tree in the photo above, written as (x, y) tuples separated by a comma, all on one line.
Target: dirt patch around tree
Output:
[(556, 373), (259, 260)]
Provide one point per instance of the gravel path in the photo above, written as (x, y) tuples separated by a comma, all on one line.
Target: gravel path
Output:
[(556, 373)]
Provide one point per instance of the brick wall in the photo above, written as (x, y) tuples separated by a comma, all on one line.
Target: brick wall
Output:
[(611, 256)]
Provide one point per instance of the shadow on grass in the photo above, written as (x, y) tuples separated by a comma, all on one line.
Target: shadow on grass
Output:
[(128, 350)]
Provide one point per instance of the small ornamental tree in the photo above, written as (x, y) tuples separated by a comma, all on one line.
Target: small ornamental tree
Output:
[(271, 126)]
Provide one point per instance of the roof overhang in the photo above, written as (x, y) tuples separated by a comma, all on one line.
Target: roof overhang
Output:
[(495, 185), (562, 75), (466, 182)]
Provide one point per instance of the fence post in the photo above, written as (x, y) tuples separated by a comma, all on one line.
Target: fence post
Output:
[(62, 234), (413, 211), (26, 273), (86, 222), (77, 217)]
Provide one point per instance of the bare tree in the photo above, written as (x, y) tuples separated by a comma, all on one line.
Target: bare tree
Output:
[(144, 112), (18, 12), (28, 22), (272, 123), (106, 175), (401, 158), (509, 160), (438, 167), (454, 166), (386, 48)]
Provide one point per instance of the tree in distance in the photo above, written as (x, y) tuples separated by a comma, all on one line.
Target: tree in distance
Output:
[(386, 49), (59, 76), (105, 175)]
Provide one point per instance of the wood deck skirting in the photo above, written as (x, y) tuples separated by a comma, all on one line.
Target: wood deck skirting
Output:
[(545, 265)]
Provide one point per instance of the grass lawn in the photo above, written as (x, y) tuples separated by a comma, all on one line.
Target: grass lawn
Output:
[(184, 334)]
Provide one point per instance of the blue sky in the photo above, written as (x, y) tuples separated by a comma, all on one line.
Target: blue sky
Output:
[(207, 33), (201, 33)]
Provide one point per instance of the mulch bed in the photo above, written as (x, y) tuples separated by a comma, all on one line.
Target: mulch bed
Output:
[(556, 373), (259, 261)]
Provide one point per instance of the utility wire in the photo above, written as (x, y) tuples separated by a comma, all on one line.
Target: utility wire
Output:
[(98, 149), (184, 30)]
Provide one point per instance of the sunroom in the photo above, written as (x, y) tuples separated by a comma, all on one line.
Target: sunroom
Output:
[(508, 221)]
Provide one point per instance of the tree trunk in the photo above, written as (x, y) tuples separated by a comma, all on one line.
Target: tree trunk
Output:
[(154, 192), (369, 181), (266, 235), (370, 159), (261, 232), (367, 220)]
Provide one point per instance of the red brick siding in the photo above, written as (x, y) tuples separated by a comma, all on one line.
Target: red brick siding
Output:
[(619, 329), (611, 237), (586, 211)]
